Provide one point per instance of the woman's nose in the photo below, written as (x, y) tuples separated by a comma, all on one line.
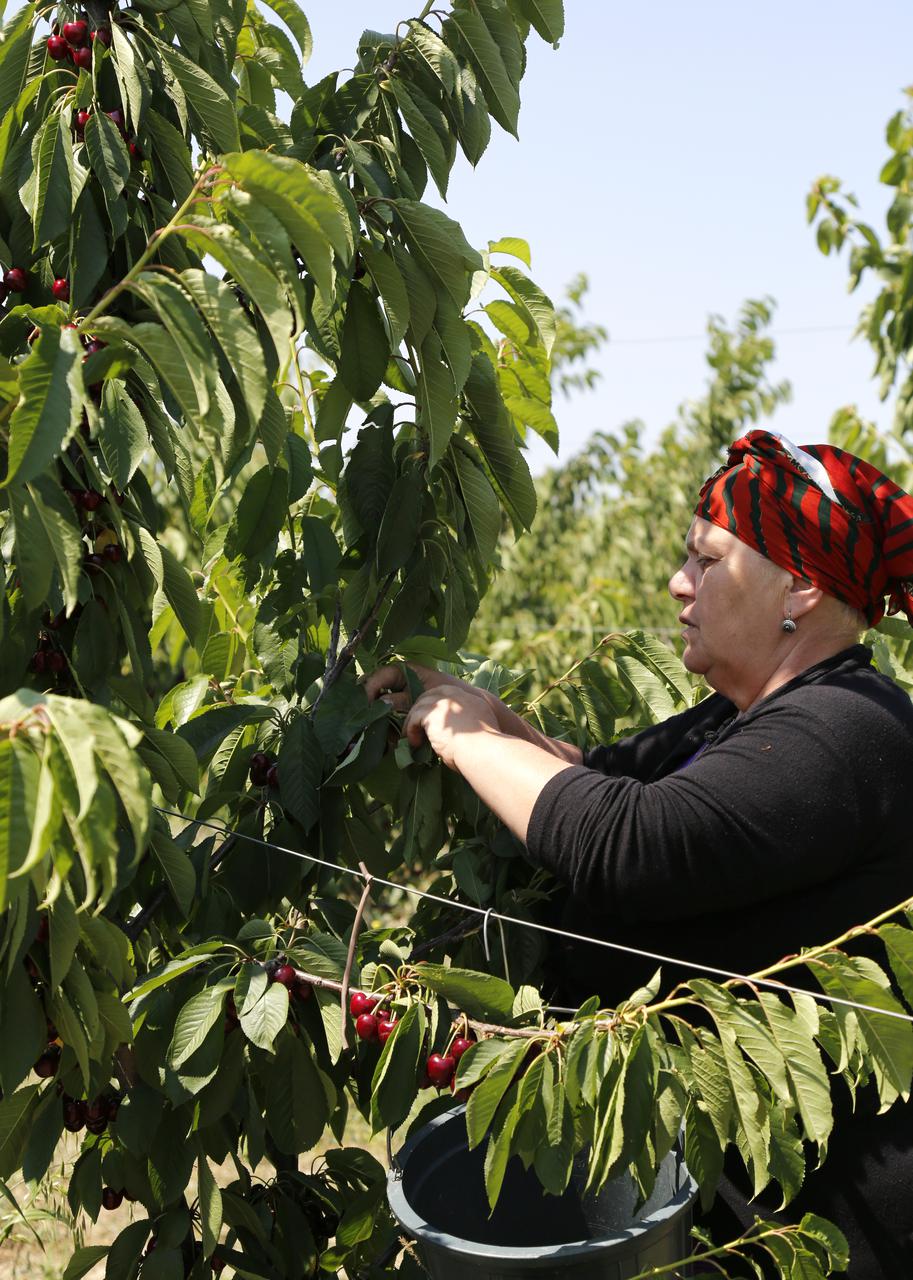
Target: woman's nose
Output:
[(680, 584)]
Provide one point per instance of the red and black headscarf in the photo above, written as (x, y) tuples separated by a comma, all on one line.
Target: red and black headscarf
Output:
[(820, 513)]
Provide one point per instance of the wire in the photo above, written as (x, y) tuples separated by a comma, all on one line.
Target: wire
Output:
[(490, 914)]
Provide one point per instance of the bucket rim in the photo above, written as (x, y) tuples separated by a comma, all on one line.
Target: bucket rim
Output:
[(545, 1255)]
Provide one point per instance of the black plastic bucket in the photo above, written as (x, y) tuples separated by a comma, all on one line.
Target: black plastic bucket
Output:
[(438, 1195)]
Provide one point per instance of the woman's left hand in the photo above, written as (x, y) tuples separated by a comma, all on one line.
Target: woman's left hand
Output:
[(447, 716)]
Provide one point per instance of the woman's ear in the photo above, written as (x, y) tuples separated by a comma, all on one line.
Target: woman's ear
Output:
[(802, 597)]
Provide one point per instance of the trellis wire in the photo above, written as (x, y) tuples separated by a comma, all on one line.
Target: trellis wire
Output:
[(542, 928)]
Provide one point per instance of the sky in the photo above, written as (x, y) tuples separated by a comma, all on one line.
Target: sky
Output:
[(666, 150)]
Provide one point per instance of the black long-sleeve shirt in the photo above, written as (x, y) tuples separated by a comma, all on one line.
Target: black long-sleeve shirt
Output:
[(789, 826)]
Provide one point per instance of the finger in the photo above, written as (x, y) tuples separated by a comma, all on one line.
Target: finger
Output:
[(398, 701), (387, 679)]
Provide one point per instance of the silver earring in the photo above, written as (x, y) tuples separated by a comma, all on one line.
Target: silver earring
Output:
[(787, 624)]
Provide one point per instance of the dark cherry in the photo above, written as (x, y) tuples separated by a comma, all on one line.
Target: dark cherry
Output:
[(93, 563), (58, 48), (16, 279), (385, 1029), (272, 776), (74, 1115), (303, 991), (135, 149), (117, 118), (39, 662), (366, 1026), (286, 975), (440, 1069), (57, 663), (102, 35), (258, 768), (111, 1199), (459, 1047), (112, 1106), (97, 1126), (93, 345), (113, 553), (80, 120), (61, 289), (360, 1002), (76, 33), (82, 58), (97, 1110), (48, 1062), (90, 499), (44, 930)]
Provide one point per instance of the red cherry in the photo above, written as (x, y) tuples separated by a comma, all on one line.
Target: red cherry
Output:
[(44, 930), (90, 499), (93, 345), (56, 663), (16, 279), (47, 1064), (82, 58), (80, 120), (303, 991), (360, 1002), (113, 553), (76, 33), (440, 1069), (366, 1026), (286, 975), (216, 1263), (97, 1110), (459, 1047), (385, 1029), (51, 1030), (135, 149), (272, 776), (110, 1198), (112, 1105), (93, 563), (116, 117), (57, 48), (61, 289), (258, 768), (102, 35), (74, 1115), (39, 662), (97, 1126)]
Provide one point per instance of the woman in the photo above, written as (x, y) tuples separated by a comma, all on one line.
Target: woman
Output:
[(770, 817)]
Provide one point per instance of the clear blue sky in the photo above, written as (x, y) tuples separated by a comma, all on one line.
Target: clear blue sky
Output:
[(666, 150)]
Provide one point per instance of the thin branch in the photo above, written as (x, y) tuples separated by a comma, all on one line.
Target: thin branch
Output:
[(350, 957), (348, 652)]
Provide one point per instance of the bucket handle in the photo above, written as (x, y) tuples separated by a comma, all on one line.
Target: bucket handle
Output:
[(395, 1166)]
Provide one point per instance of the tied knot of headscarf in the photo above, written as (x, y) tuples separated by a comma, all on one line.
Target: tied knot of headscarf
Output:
[(820, 513)]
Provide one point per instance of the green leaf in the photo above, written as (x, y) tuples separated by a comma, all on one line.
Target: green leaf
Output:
[(108, 155), (804, 1065), (64, 937), (14, 56), (18, 782), (531, 300), (365, 349), (399, 529), (178, 754), (304, 206), (235, 334), (625, 1121), (427, 123), (15, 1120), (122, 434), (481, 995), (210, 1201), (207, 728), (395, 1081), (177, 869), (261, 513), (899, 943), (216, 116), (160, 975), (513, 245), (481, 504), (889, 1040), (193, 1023), (53, 208), (437, 399), (300, 771), (49, 405), (297, 1107), (546, 16), (440, 248), (83, 1260), (703, 1153), (487, 1094), (465, 28), (498, 1151), (266, 1017), (296, 22)]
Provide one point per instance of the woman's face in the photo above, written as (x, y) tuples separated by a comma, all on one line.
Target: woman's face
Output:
[(733, 604)]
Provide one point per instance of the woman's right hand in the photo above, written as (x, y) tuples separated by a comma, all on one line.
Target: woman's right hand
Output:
[(390, 683)]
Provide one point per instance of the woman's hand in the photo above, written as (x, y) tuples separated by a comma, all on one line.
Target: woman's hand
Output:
[(449, 717), (390, 683)]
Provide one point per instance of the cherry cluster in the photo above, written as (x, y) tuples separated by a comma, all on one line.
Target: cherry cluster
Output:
[(71, 42), (263, 770), (439, 1068), (79, 1113), (278, 970)]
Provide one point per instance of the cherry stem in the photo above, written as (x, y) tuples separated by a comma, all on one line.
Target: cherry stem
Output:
[(350, 957)]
